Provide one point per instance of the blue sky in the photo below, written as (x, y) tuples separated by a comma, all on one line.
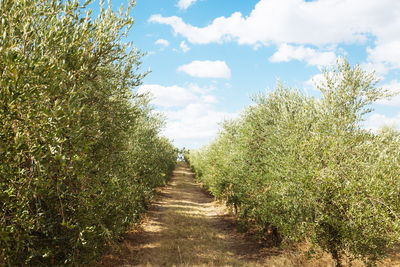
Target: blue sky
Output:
[(209, 57)]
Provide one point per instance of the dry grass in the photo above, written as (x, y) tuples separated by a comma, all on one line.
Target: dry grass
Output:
[(185, 227)]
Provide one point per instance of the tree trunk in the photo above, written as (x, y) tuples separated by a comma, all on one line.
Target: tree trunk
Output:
[(336, 258)]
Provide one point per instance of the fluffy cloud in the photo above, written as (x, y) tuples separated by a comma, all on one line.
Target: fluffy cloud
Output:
[(393, 87), (377, 121), (168, 96), (184, 47), (195, 122), (287, 53), (206, 69), (385, 54), (318, 80), (295, 21), (209, 99), (162, 42), (314, 80), (320, 23), (192, 119), (200, 90), (195, 35), (379, 67), (184, 4)]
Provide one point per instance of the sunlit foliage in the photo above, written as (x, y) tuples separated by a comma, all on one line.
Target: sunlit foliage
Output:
[(80, 154), (306, 167)]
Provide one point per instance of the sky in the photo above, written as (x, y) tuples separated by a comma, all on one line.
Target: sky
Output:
[(208, 58)]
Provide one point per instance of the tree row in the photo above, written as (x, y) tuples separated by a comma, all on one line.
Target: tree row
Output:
[(305, 169), (80, 153)]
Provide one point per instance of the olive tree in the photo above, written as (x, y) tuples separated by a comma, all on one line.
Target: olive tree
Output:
[(73, 172), (303, 167)]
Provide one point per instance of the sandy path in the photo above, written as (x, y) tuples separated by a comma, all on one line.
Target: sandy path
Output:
[(186, 228)]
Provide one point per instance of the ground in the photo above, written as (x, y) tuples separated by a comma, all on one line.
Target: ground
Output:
[(186, 227)]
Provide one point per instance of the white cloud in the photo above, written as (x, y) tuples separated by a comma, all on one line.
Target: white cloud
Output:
[(195, 122), (168, 96), (377, 121), (314, 80), (380, 68), (150, 53), (207, 69), (319, 23), (192, 119), (200, 90), (393, 87), (385, 56), (209, 34), (162, 42), (296, 21), (209, 99), (287, 53), (184, 4), (184, 47), (318, 79)]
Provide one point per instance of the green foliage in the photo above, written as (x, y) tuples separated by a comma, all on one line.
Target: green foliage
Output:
[(80, 155), (307, 167)]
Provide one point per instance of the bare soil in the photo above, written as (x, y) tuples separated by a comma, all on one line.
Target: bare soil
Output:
[(186, 227)]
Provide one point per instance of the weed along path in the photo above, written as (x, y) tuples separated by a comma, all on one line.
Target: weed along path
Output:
[(184, 227)]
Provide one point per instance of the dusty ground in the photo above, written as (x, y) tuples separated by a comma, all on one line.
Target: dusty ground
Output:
[(185, 227)]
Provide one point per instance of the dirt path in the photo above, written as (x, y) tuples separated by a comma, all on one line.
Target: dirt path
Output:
[(186, 228)]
